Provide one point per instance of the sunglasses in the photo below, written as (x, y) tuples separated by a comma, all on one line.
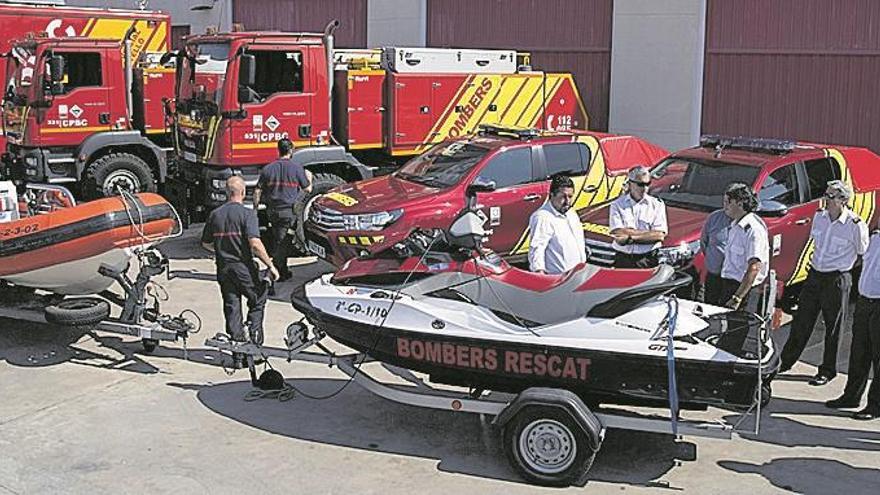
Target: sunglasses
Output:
[(641, 184), (832, 196)]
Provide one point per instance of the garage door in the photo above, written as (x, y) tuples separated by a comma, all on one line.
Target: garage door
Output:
[(562, 36), (806, 69), (306, 15)]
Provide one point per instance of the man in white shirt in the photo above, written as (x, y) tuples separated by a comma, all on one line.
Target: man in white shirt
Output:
[(637, 222), (557, 243), (839, 237), (747, 254), (864, 353)]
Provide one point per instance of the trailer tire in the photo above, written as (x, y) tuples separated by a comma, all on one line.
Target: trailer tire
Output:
[(321, 183), (78, 311), (113, 170), (149, 345), (547, 447)]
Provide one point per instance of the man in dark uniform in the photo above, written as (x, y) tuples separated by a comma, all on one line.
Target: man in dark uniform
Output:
[(232, 233), (280, 184)]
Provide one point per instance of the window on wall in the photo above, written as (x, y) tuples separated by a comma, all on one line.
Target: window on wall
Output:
[(277, 72), (81, 69), (509, 168), (781, 185), (177, 34), (820, 172)]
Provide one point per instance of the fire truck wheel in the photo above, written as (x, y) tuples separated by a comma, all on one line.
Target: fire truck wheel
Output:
[(118, 170), (79, 311), (321, 183)]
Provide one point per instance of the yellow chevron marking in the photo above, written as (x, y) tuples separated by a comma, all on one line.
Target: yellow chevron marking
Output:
[(352, 240), (343, 240), (532, 112), (116, 29), (343, 199), (436, 138), (365, 241)]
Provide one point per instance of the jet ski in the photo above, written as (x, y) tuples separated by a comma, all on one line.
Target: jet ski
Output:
[(440, 304), (49, 242)]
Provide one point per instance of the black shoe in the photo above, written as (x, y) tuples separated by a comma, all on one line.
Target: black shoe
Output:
[(820, 379), (285, 277), (843, 402), (866, 414)]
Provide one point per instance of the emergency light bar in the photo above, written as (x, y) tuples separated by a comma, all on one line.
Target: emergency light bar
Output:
[(721, 143), (522, 133)]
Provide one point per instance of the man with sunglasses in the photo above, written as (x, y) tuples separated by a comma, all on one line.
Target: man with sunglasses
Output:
[(839, 238), (638, 223)]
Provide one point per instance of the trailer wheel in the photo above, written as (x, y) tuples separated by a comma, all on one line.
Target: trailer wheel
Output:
[(118, 170), (80, 311), (321, 183), (547, 447), (149, 345)]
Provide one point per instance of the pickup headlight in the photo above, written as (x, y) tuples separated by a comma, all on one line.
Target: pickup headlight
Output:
[(371, 221), (218, 184), (30, 161), (680, 255)]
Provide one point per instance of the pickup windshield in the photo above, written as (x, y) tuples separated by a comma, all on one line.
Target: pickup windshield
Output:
[(203, 71), (698, 184), (444, 165)]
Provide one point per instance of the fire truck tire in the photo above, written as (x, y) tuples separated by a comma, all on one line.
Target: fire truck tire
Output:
[(79, 311), (114, 170), (321, 183)]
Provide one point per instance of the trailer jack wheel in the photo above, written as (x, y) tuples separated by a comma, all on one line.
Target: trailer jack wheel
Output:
[(547, 447), (149, 345)]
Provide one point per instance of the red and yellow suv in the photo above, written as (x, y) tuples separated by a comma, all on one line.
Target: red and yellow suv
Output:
[(789, 177), (429, 190)]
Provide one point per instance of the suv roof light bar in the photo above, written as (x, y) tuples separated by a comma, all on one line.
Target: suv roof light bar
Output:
[(522, 133), (720, 143)]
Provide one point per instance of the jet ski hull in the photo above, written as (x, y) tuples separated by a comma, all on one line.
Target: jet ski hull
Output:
[(497, 363)]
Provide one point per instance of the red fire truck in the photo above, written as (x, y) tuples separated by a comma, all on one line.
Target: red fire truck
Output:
[(99, 117), (349, 113)]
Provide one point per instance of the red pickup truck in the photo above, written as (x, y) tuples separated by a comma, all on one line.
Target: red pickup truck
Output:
[(373, 214), (789, 178)]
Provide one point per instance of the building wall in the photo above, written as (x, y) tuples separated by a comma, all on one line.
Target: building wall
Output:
[(808, 70), (306, 15), (657, 70), (562, 36), (180, 10), (396, 22)]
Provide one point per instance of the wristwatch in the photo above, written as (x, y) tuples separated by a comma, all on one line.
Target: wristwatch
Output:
[(735, 298)]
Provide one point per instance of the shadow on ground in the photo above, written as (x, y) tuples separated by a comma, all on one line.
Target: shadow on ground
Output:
[(462, 443), (811, 476)]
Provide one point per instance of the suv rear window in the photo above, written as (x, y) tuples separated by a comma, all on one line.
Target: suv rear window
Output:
[(820, 172), (567, 158)]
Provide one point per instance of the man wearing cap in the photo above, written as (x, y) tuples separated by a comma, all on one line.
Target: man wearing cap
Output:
[(747, 254), (637, 222), (839, 237), (864, 351), (280, 184)]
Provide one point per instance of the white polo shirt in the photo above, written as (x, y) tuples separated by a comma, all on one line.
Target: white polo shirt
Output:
[(746, 240), (869, 281), (557, 242), (647, 214), (838, 242)]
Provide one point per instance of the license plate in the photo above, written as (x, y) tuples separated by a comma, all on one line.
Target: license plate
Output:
[(317, 249), (189, 156)]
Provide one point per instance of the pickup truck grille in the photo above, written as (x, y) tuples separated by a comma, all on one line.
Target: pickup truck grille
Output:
[(600, 253), (326, 219)]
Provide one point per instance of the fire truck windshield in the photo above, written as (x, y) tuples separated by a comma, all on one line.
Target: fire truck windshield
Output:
[(697, 184), (203, 72), (444, 165)]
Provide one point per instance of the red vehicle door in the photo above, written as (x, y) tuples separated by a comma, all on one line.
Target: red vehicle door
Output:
[(788, 233), (519, 191), (279, 104), (81, 103)]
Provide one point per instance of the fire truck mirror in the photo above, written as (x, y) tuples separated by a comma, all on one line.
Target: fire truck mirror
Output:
[(56, 68), (247, 70)]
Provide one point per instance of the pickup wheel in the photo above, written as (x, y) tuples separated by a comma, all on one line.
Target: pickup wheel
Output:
[(321, 183), (111, 172)]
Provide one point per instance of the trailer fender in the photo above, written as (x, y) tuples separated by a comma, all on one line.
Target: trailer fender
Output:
[(317, 155), (561, 399), (97, 142)]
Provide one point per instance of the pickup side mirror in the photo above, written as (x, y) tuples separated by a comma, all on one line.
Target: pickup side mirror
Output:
[(771, 208), (56, 68), (480, 184), (247, 70)]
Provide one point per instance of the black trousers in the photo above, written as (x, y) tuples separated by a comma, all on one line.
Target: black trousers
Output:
[(280, 223), (712, 290), (864, 353), (751, 301), (626, 260), (238, 280), (826, 293)]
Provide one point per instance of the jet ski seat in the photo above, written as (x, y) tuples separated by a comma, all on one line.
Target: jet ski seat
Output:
[(548, 299)]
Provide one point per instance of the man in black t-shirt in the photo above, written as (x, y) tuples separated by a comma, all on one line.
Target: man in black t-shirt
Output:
[(280, 185), (233, 235)]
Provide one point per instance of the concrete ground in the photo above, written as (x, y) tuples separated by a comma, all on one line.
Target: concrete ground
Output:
[(91, 413)]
